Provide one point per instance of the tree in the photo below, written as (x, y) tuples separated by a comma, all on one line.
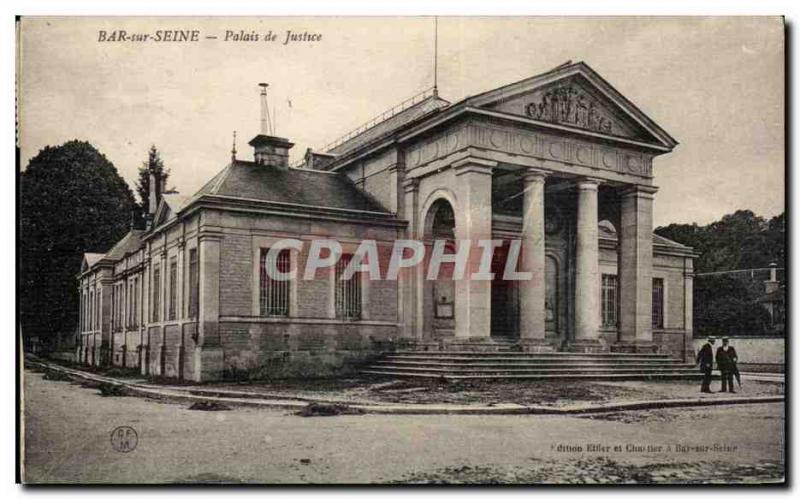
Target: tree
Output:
[(72, 201), (726, 303), (155, 165)]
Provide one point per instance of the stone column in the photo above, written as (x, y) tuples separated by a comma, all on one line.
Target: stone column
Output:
[(587, 275), (473, 307), (532, 259), (635, 268)]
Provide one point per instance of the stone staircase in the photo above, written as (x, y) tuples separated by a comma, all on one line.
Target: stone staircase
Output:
[(457, 365)]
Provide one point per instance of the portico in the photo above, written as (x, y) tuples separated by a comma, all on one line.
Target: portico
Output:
[(543, 161)]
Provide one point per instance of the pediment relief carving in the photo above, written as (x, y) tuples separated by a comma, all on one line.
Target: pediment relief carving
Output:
[(572, 103)]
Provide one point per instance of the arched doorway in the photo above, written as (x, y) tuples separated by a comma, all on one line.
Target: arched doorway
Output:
[(439, 296)]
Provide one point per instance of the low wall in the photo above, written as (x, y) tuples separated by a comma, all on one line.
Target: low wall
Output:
[(756, 353)]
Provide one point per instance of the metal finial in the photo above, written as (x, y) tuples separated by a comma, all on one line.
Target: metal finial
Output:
[(266, 125), (233, 149)]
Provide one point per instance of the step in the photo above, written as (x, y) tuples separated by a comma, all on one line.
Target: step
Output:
[(534, 367), (545, 377), (525, 370), (538, 354), (520, 363), (502, 358)]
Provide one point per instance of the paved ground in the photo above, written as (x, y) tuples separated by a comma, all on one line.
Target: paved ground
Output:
[(68, 439)]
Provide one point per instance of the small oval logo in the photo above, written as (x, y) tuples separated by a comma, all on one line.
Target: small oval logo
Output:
[(124, 439)]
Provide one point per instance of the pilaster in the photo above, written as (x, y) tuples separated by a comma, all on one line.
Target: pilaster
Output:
[(635, 266)]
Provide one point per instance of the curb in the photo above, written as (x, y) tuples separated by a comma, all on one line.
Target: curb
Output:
[(252, 400)]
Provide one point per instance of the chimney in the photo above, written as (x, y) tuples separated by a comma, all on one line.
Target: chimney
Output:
[(773, 284), (268, 149), (271, 151), (153, 195), (317, 160)]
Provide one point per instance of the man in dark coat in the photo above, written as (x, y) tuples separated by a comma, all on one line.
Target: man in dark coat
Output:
[(726, 363), (705, 359)]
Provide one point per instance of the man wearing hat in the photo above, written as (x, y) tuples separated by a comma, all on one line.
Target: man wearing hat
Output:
[(705, 359), (726, 363)]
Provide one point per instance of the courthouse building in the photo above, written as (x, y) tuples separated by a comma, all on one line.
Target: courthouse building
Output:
[(560, 161)]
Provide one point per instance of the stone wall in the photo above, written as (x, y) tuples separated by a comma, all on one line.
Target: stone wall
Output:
[(677, 343), (259, 349)]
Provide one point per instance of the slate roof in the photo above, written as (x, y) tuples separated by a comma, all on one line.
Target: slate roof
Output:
[(605, 233), (131, 242), (248, 180), (175, 201), (92, 258), (423, 108)]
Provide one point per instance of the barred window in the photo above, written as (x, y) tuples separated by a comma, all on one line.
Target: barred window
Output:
[(173, 288), (608, 300), (274, 295), (156, 295), (348, 291), (658, 303), (194, 281)]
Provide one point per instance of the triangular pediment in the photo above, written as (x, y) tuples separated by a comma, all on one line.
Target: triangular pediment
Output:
[(576, 97), (89, 259)]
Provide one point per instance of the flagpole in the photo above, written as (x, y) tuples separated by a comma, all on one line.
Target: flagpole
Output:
[(436, 55)]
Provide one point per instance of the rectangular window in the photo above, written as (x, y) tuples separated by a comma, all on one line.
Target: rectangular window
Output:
[(608, 300), (658, 303), (120, 306), (348, 291), (91, 311), (274, 294), (113, 308), (194, 282), (136, 301), (173, 288), (81, 313), (131, 314), (156, 294)]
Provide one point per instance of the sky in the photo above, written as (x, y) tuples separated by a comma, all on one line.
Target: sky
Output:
[(715, 84)]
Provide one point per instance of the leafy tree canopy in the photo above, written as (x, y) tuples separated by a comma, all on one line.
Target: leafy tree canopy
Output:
[(726, 303), (72, 201), (740, 240)]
